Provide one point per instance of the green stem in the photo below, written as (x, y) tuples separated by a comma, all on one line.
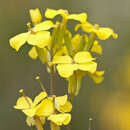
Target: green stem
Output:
[(38, 123), (52, 77), (92, 38), (90, 124), (68, 43), (52, 92)]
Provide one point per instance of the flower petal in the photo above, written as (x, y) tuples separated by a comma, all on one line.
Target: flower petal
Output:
[(90, 67), (39, 98), (62, 51), (76, 41), (104, 33), (62, 59), (33, 53), (22, 103), (19, 40), (29, 112), (39, 39), (86, 27), (82, 17), (46, 25), (66, 107), (35, 15), (60, 101), (66, 70), (45, 108), (60, 119), (83, 57), (97, 76), (96, 48), (51, 13)]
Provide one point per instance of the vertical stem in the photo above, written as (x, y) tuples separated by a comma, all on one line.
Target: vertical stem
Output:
[(52, 86), (52, 92), (90, 124), (68, 127), (38, 123)]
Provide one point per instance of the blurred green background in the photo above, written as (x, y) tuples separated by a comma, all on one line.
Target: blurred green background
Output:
[(108, 103)]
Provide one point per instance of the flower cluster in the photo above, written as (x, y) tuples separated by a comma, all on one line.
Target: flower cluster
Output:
[(55, 109), (71, 55)]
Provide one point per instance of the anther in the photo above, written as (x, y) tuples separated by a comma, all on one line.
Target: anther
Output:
[(29, 26)]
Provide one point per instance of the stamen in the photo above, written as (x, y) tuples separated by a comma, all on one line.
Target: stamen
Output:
[(30, 29), (90, 124), (41, 85)]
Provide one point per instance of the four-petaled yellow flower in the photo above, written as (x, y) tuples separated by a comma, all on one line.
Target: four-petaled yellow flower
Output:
[(37, 36), (82, 61), (102, 33), (62, 105)]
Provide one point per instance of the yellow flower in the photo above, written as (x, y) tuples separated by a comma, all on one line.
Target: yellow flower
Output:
[(36, 36), (97, 76), (33, 53), (35, 15), (60, 119), (82, 61), (62, 105), (29, 107), (102, 33), (51, 13)]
